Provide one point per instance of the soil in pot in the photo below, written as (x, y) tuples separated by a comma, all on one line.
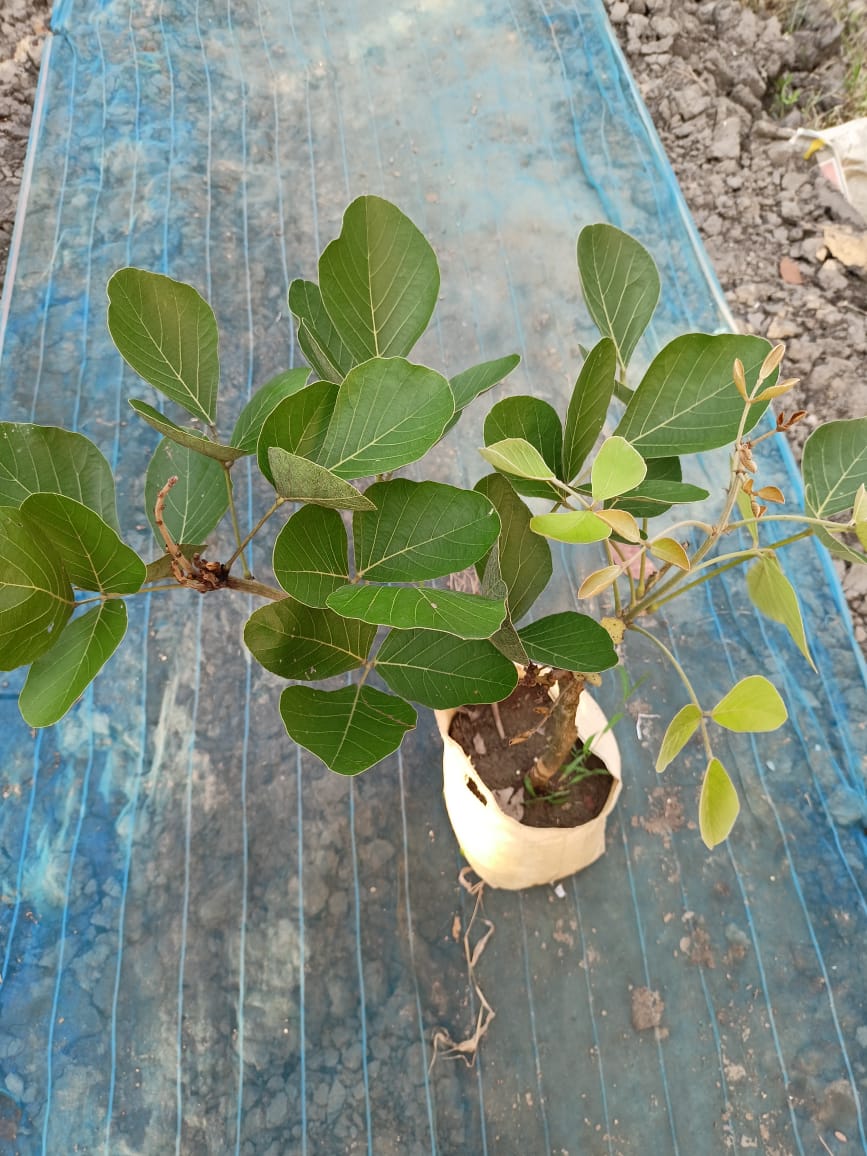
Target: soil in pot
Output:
[(503, 766)]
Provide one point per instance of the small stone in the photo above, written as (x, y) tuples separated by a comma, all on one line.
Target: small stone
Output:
[(832, 277), (790, 271), (780, 329), (619, 12), (647, 1009)]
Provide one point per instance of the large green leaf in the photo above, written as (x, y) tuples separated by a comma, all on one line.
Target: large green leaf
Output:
[(168, 333), (319, 340), (752, 705), (311, 555), (349, 729), (441, 672), (379, 280), (199, 499), (588, 406), (35, 595), (573, 526), (184, 437), (772, 593), (535, 422), (506, 638), (245, 435), (388, 413), (410, 607), (569, 641), (620, 285), (45, 459), (834, 465), (687, 402), (297, 641), (421, 530), (300, 480), (617, 469), (718, 806), (471, 382), (657, 495), (297, 424), (57, 678), (92, 554), (524, 557)]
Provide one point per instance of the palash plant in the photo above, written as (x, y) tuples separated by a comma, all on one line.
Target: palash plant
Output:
[(359, 563)]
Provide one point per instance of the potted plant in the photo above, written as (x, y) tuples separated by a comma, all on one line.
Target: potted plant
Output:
[(361, 562)]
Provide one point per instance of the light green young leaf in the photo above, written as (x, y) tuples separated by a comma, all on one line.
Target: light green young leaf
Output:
[(620, 285), (184, 437), (718, 805), (686, 402), (678, 733), (349, 729), (388, 413), (317, 336), (421, 530), (439, 671), (300, 480), (598, 581), (524, 558), (311, 555), (752, 705), (671, 551), (617, 469), (297, 424), (59, 677), (410, 607), (622, 523), (379, 280), (834, 465), (517, 457), (773, 595), (196, 504), (92, 554), (588, 406), (168, 333), (859, 514), (245, 435), (569, 640), (746, 512), (38, 459), (467, 386), (297, 641), (36, 598), (573, 526), (535, 422)]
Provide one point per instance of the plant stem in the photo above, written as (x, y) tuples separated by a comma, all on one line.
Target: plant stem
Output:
[(683, 678), (236, 529), (259, 589), (561, 731), (242, 543)]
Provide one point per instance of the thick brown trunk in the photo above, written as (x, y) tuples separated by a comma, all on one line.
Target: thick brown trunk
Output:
[(560, 732)]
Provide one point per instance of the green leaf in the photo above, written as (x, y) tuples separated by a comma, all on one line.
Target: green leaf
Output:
[(574, 526), (686, 402), (196, 504), (57, 678), (718, 806), (442, 672), (297, 641), (588, 406), (245, 435), (38, 459), (752, 705), (319, 340), (859, 514), (524, 558), (311, 555), (517, 457), (388, 413), (662, 487), (168, 333), (92, 554), (35, 596), (162, 567), (506, 638), (297, 424), (379, 280), (409, 607), (467, 386), (620, 285), (349, 729), (834, 465), (300, 480), (421, 530), (617, 469), (677, 734), (570, 641), (184, 437), (773, 595), (598, 581), (535, 422), (671, 551)]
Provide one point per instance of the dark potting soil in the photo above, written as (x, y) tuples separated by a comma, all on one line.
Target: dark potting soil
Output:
[(502, 766)]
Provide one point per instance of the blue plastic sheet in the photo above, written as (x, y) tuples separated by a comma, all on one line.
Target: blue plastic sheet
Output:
[(209, 944)]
